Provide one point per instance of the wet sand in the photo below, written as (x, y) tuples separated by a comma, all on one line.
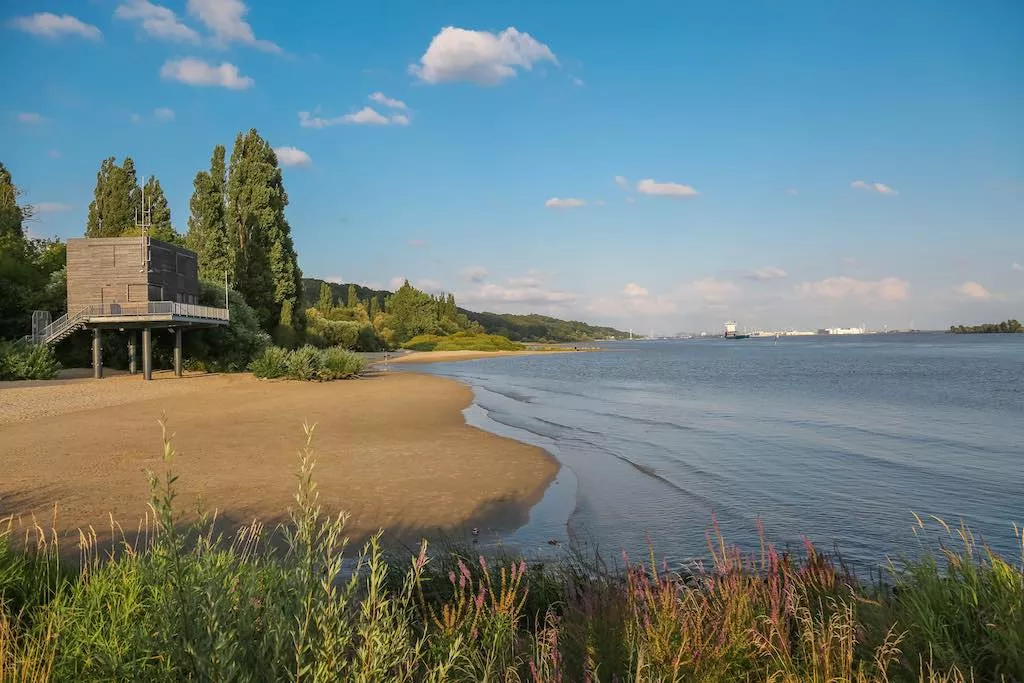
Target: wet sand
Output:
[(393, 450)]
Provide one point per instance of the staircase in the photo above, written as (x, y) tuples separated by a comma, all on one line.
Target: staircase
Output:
[(60, 328)]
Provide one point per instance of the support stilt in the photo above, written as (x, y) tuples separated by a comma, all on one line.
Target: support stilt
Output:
[(147, 354), (177, 352), (97, 355), (132, 354)]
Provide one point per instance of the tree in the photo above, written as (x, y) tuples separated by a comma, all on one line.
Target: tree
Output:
[(374, 308), (352, 298), (326, 300), (207, 226), (112, 211), (266, 266), (160, 226), (12, 216)]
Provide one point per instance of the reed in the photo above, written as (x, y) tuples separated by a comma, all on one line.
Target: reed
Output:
[(177, 602)]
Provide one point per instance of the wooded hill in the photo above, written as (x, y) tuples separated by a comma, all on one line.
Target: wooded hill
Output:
[(525, 328)]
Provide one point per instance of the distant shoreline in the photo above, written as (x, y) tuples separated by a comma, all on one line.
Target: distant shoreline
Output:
[(413, 357)]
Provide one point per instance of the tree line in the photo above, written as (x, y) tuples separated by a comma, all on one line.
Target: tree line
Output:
[(1005, 327)]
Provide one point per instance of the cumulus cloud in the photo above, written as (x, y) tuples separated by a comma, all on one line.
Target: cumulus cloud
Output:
[(633, 289), (652, 187), (157, 21), (480, 57), (163, 114), (193, 71), (50, 207), (766, 273), (887, 289), (530, 289), (381, 98), (49, 25), (475, 274), (226, 20), (30, 117), (367, 116), (973, 290), (567, 203), (292, 156), (880, 188)]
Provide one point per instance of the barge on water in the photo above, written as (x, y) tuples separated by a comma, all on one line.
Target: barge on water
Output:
[(730, 331)]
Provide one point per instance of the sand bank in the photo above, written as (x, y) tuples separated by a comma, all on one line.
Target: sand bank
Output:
[(393, 450)]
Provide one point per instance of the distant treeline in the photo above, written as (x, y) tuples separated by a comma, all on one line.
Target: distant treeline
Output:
[(520, 328), (1005, 327)]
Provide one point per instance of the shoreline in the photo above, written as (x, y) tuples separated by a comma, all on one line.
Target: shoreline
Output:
[(393, 450), (423, 357)]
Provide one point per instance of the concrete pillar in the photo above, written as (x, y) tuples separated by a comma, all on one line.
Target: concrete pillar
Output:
[(147, 354), (132, 354), (97, 354), (177, 352)]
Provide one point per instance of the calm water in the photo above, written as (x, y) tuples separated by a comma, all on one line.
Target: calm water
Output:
[(836, 439)]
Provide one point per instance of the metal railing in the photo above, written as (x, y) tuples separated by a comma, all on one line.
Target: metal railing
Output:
[(68, 323)]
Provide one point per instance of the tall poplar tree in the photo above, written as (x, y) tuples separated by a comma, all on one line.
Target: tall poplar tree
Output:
[(112, 212), (207, 226), (160, 226), (266, 266)]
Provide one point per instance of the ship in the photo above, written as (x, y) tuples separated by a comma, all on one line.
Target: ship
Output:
[(730, 331)]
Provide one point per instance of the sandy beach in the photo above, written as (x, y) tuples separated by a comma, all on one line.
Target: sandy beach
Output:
[(393, 450)]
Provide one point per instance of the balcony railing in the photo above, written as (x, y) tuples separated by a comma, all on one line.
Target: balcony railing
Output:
[(67, 324)]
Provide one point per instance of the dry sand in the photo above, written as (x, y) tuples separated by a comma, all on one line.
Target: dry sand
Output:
[(393, 450)]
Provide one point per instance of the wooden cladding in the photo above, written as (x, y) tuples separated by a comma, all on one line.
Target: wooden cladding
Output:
[(113, 270)]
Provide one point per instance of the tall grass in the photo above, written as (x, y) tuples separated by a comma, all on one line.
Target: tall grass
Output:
[(181, 603)]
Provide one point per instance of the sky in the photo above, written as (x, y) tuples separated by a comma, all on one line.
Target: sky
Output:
[(661, 166)]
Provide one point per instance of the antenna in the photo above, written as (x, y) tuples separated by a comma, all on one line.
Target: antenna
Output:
[(144, 223)]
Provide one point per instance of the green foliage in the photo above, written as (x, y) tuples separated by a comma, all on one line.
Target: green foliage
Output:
[(113, 209), (20, 360), (542, 328), (1005, 327), (308, 363), (208, 232), (352, 297), (230, 348), (325, 300), (462, 341), (185, 604), (266, 265)]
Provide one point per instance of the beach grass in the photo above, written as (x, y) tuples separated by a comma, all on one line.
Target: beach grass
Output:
[(296, 603)]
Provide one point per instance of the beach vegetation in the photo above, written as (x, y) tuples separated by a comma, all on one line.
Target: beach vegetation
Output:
[(307, 363), (462, 341), (180, 602), (22, 360)]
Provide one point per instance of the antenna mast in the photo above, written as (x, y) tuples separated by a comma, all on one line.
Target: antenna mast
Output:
[(144, 221)]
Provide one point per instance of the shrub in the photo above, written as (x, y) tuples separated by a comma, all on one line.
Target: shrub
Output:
[(271, 364), (19, 360), (462, 341), (339, 363), (230, 348), (305, 363)]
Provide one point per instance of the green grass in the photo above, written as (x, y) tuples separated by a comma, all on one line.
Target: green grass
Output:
[(274, 605), (307, 363), (462, 341)]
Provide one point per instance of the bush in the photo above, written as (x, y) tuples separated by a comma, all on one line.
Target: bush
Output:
[(271, 364), (20, 360), (230, 348), (462, 341), (307, 364)]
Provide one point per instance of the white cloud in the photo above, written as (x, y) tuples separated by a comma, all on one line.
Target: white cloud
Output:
[(381, 98), (399, 119), (163, 114), (1018, 267), (599, 202), (622, 182), (429, 286), (30, 117), (972, 290), (226, 19), (530, 289), (50, 25), (54, 154), (135, 118), (843, 288), (50, 207), (793, 192), (158, 21), (396, 282), (652, 187), (334, 279), (567, 203), (577, 81), (766, 273), (480, 57), (475, 274), (367, 116), (880, 188), (292, 156), (193, 71), (633, 289), (631, 200)]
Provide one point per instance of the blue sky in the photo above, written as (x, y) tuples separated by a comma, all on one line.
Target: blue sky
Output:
[(660, 165)]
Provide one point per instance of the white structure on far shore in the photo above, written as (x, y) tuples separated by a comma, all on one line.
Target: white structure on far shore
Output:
[(842, 330)]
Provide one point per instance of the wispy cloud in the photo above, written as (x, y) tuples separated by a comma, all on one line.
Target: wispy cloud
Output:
[(292, 156), (163, 114), (49, 25), (194, 71), (30, 117), (880, 188), (226, 20), (766, 273), (367, 116), (973, 290), (475, 274), (1018, 267), (54, 154), (381, 98), (652, 187), (792, 192), (418, 243), (531, 289), (567, 203), (622, 182), (633, 289), (841, 288), (480, 57), (157, 21)]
